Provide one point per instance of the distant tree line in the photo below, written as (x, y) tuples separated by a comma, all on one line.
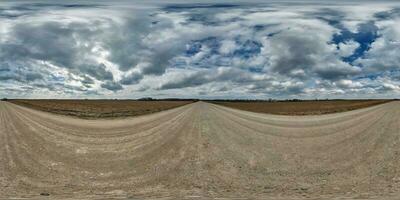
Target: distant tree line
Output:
[(256, 100), (167, 99), (213, 100), (284, 100)]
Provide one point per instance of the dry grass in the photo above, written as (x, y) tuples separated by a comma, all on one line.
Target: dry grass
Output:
[(302, 107), (92, 109)]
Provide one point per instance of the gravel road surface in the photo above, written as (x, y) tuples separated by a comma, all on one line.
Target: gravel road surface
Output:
[(201, 151)]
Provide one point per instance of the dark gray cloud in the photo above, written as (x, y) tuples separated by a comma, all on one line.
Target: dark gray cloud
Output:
[(191, 80), (220, 75), (33, 76), (19, 73), (132, 78), (87, 81), (304, 55), (97, 71), (14, 11), (294, 52), (113, 86), (126, 43), (49, 41), (388, 14), (185, 7), (57, 44), (131, 50)]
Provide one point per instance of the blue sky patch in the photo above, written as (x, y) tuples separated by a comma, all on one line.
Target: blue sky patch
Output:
[(248, 49), (367, 34)]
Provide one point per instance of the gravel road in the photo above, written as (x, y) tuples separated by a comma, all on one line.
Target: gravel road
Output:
[(201, 151)]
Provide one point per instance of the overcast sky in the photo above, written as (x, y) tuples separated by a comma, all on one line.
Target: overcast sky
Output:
[(132, 49)]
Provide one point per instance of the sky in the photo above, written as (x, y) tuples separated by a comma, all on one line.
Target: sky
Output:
[(200, 49)]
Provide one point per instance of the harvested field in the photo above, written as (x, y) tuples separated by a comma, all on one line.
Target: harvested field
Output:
[(201, 151), (301, 107), (100, 108)]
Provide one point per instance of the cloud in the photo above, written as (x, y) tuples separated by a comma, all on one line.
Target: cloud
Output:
[(345, 83), (19, 73), (33, 76), (384, 52), (303, 53), (87, 81), (113, 86), (347, 48), (191, 80), (227, 47), (190, 49), (221, 74), (132, 78), (63, 45)]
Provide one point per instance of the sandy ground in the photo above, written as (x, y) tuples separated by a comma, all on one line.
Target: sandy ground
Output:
[(201, 151)]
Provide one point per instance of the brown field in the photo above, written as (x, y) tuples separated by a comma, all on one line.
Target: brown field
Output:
[(100, 108), (302, 107)]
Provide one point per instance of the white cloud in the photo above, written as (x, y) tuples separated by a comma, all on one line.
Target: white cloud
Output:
[(276, 50), (347, 48), (227, 47)]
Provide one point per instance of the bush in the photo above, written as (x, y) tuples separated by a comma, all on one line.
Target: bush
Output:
[(4, 99)]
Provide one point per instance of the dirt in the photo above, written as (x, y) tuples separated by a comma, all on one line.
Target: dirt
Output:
[(94, 109), (201, 151), (302, 107)]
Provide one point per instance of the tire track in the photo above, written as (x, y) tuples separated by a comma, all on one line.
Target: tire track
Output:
[(201, 150)]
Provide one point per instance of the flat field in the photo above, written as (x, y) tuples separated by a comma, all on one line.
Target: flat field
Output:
[(301, 107), (100, 108)]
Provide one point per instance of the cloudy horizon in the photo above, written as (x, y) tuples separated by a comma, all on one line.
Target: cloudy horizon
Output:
[(132, 49)]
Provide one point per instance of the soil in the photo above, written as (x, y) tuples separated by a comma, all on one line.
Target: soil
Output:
[(201, 151), (94, 109), (302, 107)]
